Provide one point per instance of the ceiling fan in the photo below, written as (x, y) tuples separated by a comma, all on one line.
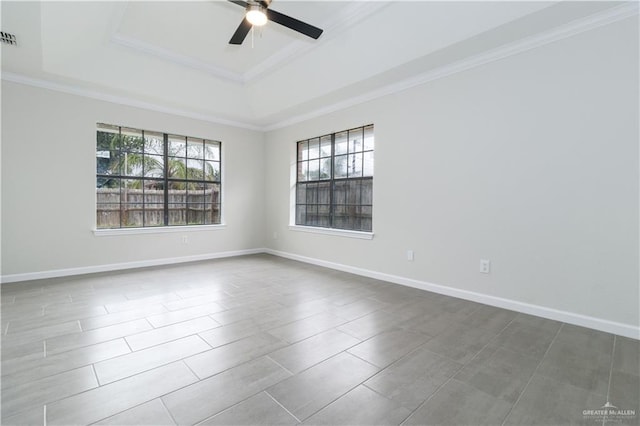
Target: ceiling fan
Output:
[(258, 13)]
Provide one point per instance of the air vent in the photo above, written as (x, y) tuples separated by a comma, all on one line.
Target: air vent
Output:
[(8, 38)]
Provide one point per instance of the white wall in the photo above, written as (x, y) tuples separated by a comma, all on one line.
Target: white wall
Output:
[(48, 185), (530, 161)]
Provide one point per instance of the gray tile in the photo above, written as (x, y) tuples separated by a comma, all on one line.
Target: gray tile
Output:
[(528, 335), (120, 317), (385, 348), (24, 369), (370, 325), (549, 402), (141, 302), (172, 317), (311, 390), (361, 406), (152, 413), (136, 362), (306, 353), (356, 309), (86, 338), (580, 357), (460, 343), (36, 393), (107, 400), (224, 357), (232, 332), (626, 358), (31, 417), (260, 409), (499, 372), (412, 379), (307, 327), (457, 403), (195, 403), (41, 333), (490, 318), (625, 391), (25, 349), (171, 332)]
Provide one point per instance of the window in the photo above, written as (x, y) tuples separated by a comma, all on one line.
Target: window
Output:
[(147, 179), (334, 186)]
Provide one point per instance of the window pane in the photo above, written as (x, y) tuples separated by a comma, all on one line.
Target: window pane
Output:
[(107, 162), (195, 169), (212, 171), (108, 216), (177, 168), (301, 212), (154, 143), (314, 148), (368, 164), (314, 169), (355, 165), (154, 214), (312, 193), (340, 192), (353, 192), (368, 138), (211, 203), (355, 140), (212, 150), (324, 215), (341, 143), (325, 168), (340, 166), (154, 166), (301, 193), (131, 164), (177, 146), (324, 193), (177, 214), (303, 171), (132, 215), (325, 146), (367, 192), (195, 148), (131, 140), (303, 151)]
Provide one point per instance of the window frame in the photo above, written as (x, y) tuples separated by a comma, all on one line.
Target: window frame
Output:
[(167, 183), (330, 224)]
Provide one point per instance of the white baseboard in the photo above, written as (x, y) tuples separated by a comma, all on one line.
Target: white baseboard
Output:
[(126, 265), (621, 329)]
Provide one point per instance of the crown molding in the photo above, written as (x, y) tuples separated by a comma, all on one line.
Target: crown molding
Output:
[(352, 14), (570, 29), (122, 100), (176, 58)]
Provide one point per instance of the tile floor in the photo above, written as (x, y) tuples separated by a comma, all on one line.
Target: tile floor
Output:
[(263, 340)]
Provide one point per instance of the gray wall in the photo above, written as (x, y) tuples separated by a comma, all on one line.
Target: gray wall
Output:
[(530, 161), (48, 159)]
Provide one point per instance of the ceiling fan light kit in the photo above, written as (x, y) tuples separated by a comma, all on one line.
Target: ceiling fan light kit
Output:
[(258, 13)]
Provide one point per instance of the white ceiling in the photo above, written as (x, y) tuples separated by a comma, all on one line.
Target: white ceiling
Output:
[(176, 56)]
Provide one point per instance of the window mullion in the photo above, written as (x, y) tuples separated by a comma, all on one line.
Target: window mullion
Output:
[(165, 156)]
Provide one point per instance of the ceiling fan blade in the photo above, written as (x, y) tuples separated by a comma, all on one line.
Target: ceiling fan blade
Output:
[(294, 24), (239, 2), (240, 34)]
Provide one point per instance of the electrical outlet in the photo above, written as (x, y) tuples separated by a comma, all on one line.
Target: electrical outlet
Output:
[(410, 255), (185, 239), (485, 266)]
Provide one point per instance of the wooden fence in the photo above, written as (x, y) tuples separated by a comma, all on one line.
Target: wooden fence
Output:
[(138, 208)]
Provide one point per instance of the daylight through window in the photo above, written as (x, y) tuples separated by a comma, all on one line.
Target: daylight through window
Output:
[(150, 179), (334, 186)]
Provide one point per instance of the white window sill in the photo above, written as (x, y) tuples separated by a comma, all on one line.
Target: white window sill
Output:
[(330, 231), (156, 230)]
